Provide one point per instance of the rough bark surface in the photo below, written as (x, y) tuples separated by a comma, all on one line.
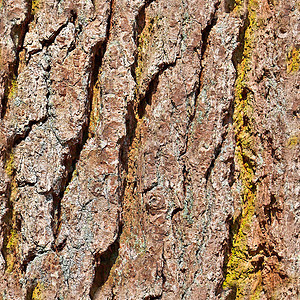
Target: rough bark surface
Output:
[(149, 149)]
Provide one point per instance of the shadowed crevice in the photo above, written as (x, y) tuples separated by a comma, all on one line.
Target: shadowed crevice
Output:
[(233, 225), (229, 5), (76, 147), (205, 33), (153, 297), (103, 265), (29, 293), (151, 89), (18, 35), (237, 55), (139, 25)]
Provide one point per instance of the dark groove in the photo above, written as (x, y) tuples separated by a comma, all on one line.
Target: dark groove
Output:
[(19, 31), (205, 39), (153, 297), (148, 189), (29, 293), (103, 264), (237, 55), (185, 179), (229, 5), (271, 211), (126, 142), (176, 211), (232, 294), (204, 44), (7, 227), (29, 258), (18, 138), (48, 42), (56, 215), (217, 152), (76, 147), (10, 222), (151, 89), (233, 226)]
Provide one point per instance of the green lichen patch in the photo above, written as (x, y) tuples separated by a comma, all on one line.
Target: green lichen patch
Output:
[(293, 60)]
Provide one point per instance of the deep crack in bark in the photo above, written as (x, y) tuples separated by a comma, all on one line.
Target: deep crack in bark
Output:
[(97, 55), (12, 221), (103, 263), (204, 44), (205, 33), (233, 225), (21, 31)]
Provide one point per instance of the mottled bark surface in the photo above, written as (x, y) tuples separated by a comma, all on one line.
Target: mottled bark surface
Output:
[(149, 149)]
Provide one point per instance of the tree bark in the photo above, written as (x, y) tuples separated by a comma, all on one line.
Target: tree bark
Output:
[(149, 149)]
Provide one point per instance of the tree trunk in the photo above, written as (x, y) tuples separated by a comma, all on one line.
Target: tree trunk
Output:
[(149, 149)]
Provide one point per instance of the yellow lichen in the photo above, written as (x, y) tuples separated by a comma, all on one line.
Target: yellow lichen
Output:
[(34, 6), (9, 166), (37, 293), (144, 46), (74, 175), (13, 88), (293, 141), (22, 61), (238, 6), (96, 108), (293, 60), (241, 275), (11, 240), (12, 250)]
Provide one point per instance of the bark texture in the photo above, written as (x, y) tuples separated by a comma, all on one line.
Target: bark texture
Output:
[(149, 149)]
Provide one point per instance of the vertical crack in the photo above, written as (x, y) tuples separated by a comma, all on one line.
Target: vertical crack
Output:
[(205, 33), (140, 23), (229, 5), (97, 55), (233, 224), (18, 35), (103, 264), (145, 100), (11, 224), (11, 221), (245, 265)]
